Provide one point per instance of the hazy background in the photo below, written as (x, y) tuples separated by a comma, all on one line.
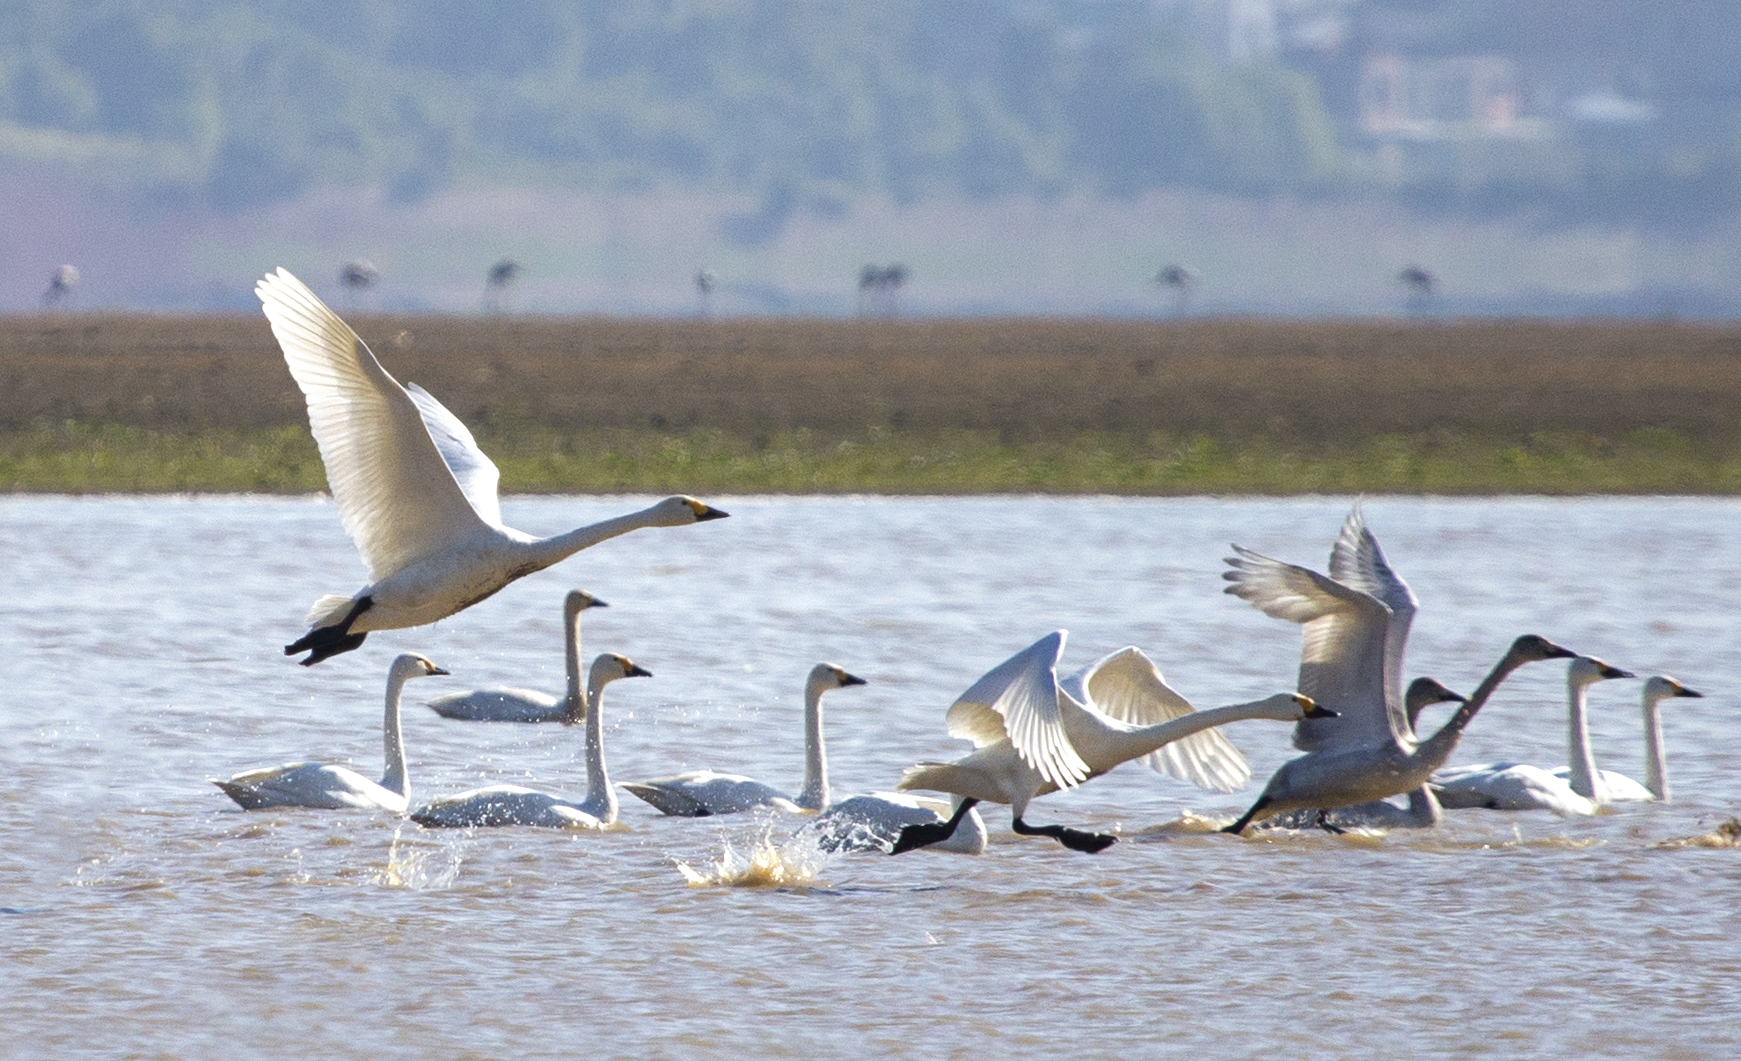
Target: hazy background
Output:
[(1044, 156)]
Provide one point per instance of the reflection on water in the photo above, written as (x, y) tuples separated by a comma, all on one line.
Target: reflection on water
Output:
[(145, 915)]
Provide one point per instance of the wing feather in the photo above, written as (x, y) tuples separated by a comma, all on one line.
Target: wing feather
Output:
[(477, 475), (1126, 685), (1341, 654), (1357, 561), (395, 494), (1021, 693)]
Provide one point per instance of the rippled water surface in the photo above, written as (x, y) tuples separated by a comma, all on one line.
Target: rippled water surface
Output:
[(144, 915)]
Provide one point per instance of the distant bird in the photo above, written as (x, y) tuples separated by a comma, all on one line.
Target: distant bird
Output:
[(60, 285), (1418, 287), (415, 492), (359, 275), (877, 287), (1181, 282), (705, 282), (330, 787), (501, 276)]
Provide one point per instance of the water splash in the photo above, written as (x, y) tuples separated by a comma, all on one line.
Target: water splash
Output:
[(792, 864), (1727, 834), (416, 866)]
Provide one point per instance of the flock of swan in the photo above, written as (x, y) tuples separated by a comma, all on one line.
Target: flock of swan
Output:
[(419, 499)]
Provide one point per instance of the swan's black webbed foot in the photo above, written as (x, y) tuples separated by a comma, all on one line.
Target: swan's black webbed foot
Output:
[(328, 641), (1329, 826), (914, 837), (1246, 819), (1074, 839)]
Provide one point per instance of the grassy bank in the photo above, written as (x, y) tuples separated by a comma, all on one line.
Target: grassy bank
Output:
[(83, 458)]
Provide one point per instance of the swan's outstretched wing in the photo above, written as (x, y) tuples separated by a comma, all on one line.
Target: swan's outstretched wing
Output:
[(472, 469), (1341, 653), (1357, 561), (1127, 685), (396, 495), (1018, 699)]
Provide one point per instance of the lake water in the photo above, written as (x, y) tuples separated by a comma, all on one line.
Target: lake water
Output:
[(145, 916)]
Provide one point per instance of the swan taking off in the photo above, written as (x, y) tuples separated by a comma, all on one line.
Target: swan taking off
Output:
[(701, 793), (1568, 790), (1370, 752), (415, 492), (331, 787), (516, 805), (1037, 734), (529, 705)]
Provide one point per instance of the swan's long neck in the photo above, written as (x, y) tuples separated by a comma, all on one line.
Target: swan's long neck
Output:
[(559, 547), (815, 793), (574, 703), (1433, 752), (1655, 759), (1585, 779), (393, 777), (1136, 743), (601, 799), (1424, 811)]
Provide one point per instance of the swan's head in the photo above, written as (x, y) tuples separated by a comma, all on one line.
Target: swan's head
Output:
[(1661, 687), (825, 676), (609, 666), (1587, 670), (579, 600), (1424, 693), (1533, 648), (682, 510), (414, 665), (1292, 707)]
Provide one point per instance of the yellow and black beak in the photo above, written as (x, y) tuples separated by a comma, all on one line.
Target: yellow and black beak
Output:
[(849, 679), (1312, 709), (704, 512), (635, 670)]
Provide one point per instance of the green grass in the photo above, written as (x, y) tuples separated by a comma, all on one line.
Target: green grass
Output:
[(83, 458)]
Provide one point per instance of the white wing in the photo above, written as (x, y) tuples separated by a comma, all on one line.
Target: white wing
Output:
[(476, 474), (1341, 653), (1127, 685), (395, 494), (1357, 561), (1018, 699)]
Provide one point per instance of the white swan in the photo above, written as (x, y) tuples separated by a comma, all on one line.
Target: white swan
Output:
[(701, 793), (529, 705), (415, 492), (1037, 734), (1656, 690), (517, 805), (1578, 789), (874, 822), (332, 787), (1370, 752)]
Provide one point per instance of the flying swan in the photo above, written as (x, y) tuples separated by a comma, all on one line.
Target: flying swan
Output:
[(529, 705), (1371, 751), (1036, 734), (415, 492), (516, 805), (332, 787)]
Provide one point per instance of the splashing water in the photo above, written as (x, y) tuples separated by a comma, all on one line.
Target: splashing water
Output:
[(1727, 834), (792, 864), (409, 866)]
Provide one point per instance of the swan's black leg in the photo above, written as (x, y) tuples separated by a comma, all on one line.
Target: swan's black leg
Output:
[(1074, 839), (329, 641), (1327, 825), (1248, 816), (914, 837)]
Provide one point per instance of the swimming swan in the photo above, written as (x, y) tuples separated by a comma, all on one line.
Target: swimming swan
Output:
[(1371, 751), (517, 805), (1578, 789), (1116, 709), (874, 822), (331, 787), (415, 492), (529, 705), (1656, 690)]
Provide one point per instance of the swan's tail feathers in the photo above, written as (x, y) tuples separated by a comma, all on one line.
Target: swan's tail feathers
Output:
[(245, 797), (328, 640), (329, 610), (669, 801), (936, 777)]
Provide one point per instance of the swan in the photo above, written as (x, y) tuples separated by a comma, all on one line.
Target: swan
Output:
[(1656, 690), (332, 787), (416, 494), (1578, 789), (874, 822), (516, 805), (701, 793), (1037, 734), (529, 705), (1371, 753)]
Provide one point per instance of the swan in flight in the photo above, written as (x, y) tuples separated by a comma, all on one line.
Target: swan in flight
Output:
[(1577, 789), (1370, 752), (1036, 734), (331, 787), (516, 805), (416, 494), (529, 705)]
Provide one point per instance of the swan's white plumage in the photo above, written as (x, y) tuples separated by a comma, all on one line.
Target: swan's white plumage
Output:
[(477, 475), (1508, 786), (1357, 561), (396, 495), (1127, 686), (1018, 700), (874, 822)]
